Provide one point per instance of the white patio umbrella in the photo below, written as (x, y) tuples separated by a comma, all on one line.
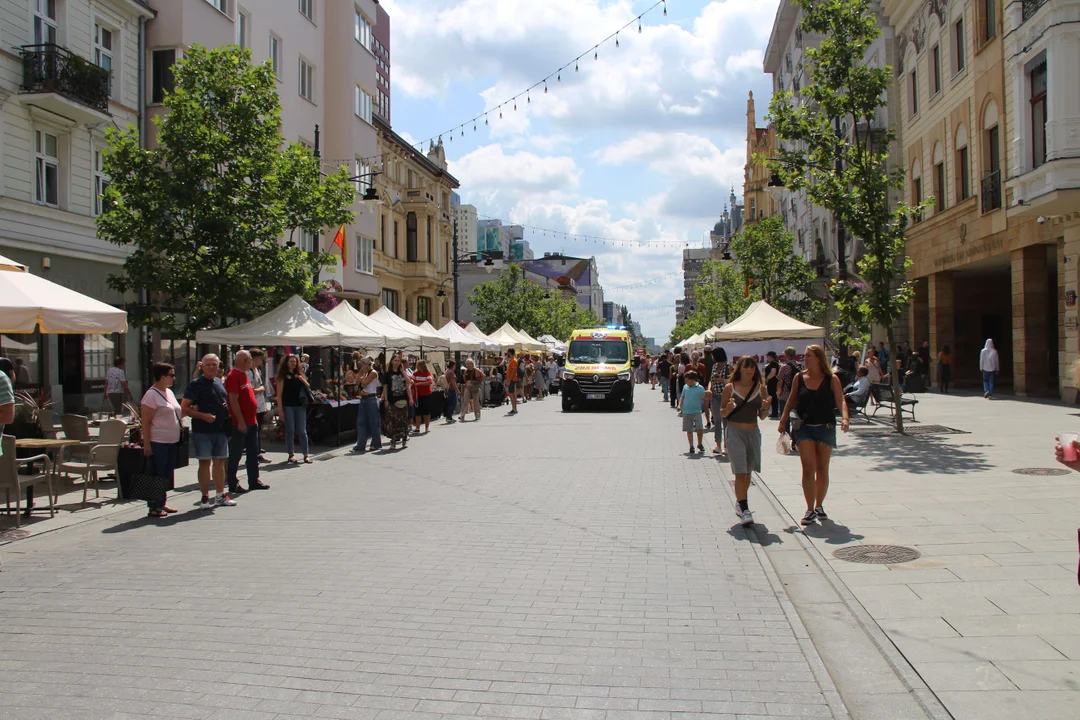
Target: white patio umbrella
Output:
[(29, 302), (431, 340)]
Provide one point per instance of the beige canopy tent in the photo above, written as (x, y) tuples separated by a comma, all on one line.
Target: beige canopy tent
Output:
[(463, 341), (534, 344), (762, 321), (474, 330), (294, 322), (710, 334), (29, 302), (507, 338), (431, 340), (388, 336)]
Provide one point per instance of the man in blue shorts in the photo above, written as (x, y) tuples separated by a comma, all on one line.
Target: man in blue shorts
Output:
[(206, 402)]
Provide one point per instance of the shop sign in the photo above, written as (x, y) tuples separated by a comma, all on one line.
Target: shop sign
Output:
[(1070, 298), (1070, 322)]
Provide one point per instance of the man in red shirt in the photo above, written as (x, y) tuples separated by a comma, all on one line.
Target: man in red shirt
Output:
[(513, 381), (245, 426)]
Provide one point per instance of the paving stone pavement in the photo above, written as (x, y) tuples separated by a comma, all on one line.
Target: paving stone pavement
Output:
[(989, 616), (543, 566)]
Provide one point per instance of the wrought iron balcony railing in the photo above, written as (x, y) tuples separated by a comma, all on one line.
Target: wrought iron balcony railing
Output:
[(991, 191), (51, 68), (1029, 8)]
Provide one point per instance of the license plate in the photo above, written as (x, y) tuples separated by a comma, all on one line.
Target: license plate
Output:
[(595, 396)]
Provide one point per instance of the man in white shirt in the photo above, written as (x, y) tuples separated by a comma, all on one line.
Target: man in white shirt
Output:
[(258, 384), (856, 393), (116, 386)]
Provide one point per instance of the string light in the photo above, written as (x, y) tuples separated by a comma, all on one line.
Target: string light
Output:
[(616, 39)]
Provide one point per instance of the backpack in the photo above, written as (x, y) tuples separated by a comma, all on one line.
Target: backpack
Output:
[(785, 389)]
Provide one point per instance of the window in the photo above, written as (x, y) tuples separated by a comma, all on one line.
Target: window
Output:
[(161, 73), (917, 196), (103, 49), (44, 22), (410, 237), (97, 356), (309, 241), (362, 104), (913, 104), (221, 5), (47, 168), (394, 245), (365, 251), (993, 160), (275, 55), (307, 9), (423, 309), (243, 28), (389, 300), (382, 232), (989, 8), (1038, 114), (935, 68), (963, 173), (939, 187), (101, 181), (305, 81), (360, 169), (959, 47), (361, 29)]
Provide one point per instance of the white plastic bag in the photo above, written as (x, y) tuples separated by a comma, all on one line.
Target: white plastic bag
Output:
[(783, 444)]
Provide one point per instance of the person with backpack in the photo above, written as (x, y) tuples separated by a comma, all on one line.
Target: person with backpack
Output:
[(786, 376)]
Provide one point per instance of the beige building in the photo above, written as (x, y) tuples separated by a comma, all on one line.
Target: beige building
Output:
[(413, 254), (323, 53), (758, 201), (68, 71), (984, 266)]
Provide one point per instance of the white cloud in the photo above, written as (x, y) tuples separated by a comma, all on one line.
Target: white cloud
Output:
[(490, 168)]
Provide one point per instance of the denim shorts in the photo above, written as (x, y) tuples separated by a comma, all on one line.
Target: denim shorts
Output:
[(210, 445), (824, 434)]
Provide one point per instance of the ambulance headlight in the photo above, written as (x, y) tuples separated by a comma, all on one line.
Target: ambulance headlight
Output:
[(624, 375), (567, 375)]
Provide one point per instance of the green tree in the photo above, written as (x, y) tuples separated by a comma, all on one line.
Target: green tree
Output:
[(512, 298), (719, 297), (204, 211), (766, 258), (844, 89)]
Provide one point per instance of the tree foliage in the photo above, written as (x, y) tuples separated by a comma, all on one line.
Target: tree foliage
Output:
[(511, 298), (720, 297), (203, 212), (765, 255), (844, 93)]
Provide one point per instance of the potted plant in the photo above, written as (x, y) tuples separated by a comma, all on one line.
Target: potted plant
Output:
[(28, 406)]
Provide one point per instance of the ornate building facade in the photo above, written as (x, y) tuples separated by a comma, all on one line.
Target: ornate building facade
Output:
[(412, 253), (760, 142)]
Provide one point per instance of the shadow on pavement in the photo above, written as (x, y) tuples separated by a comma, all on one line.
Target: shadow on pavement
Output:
[(760, 534), (158, 522), (921, 455), (832, 533)]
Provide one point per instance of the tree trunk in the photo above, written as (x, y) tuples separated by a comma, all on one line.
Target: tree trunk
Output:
[(895, 375)]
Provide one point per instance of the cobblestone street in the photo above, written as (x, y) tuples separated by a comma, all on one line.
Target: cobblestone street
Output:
[(543, 566)]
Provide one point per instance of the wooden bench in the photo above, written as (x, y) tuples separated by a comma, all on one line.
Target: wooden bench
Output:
[(885, 398)]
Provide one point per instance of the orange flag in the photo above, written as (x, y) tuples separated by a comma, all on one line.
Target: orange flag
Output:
[(339, 240), (746, 290)]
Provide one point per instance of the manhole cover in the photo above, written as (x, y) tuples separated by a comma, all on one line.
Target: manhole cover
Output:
[(1042, 471), (877, 554), (13, 534)]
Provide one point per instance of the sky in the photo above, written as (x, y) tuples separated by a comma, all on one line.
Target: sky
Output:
[(643, 143)]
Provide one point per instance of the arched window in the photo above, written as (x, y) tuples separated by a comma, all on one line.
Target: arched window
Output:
[(962, 165), (939, 177), (991, 176), (916, 186)]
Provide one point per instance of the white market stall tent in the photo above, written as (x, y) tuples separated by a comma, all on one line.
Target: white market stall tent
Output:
[(474, 330), (430, 340), (534, 344), (553, 344), (388, 336), (294, 322), (29, 302), (763, 328), (462, 341)]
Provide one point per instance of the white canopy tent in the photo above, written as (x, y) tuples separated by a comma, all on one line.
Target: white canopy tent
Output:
[(429, 340), (534, 344), (507, 339), (462, 341), (387, 336), (762, 321), (553, 344), (29, 302), (472, 329), (710, 334), (294, 322)]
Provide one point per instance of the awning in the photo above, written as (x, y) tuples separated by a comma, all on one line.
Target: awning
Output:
[(29, 302)]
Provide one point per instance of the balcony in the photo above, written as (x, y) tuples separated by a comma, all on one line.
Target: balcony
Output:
[(1029, 8), (64, 83), (991, 192)]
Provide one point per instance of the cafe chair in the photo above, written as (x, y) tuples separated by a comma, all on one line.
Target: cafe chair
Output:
[(77, 427), (100, 459), (45, 422), (12, 480)]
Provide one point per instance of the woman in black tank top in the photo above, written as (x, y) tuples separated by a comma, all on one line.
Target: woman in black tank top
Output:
[(815, 396)]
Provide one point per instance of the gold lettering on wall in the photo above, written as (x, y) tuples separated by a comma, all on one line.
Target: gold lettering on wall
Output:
[(976, 251)]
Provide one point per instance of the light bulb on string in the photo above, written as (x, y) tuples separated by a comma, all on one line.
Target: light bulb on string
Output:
[(665, 8), (545, 87), (639, 24), (616, 39), (576, 68), (558, 78), (515, 104), (595, 55), (485, 119), (500, 112), (528, 98)]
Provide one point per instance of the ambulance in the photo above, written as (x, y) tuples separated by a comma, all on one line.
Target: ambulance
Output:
[(599, 369)]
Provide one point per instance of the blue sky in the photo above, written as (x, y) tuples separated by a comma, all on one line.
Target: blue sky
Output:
[(643, 144)]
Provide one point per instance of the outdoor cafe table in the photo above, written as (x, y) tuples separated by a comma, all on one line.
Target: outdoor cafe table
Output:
[(49, 445)]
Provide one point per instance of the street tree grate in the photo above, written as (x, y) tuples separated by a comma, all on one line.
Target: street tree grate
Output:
[(1042, 472), (13, 534), (877, 554), (884, 430)]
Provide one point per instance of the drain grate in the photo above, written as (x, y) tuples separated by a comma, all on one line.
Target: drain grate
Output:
[(1043, 472), (884, 430), (877, 554), (13, 534)]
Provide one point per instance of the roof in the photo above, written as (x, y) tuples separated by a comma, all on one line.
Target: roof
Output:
[(418, 156)]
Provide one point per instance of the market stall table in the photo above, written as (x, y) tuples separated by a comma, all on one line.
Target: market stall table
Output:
[(48, 445)]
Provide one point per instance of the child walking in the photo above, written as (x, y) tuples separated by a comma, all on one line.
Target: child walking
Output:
[(691, 405)]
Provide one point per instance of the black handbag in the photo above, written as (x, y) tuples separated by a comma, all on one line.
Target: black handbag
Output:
[(182, 452), (151, 488)]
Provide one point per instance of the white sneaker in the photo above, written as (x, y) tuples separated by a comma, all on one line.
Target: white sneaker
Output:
[(224, 501), (206, 504), (746, 517)]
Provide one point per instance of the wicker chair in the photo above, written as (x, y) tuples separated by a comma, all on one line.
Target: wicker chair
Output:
[(10, 478)]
